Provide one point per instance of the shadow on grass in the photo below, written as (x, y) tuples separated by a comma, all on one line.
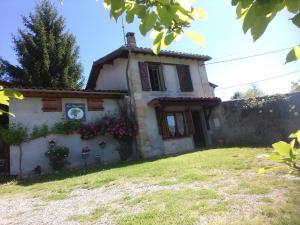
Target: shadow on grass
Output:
[(81, 171)]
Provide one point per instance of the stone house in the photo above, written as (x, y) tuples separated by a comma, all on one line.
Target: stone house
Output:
[(168, 94)]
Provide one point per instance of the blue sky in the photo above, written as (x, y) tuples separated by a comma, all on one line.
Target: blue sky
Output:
[(97, 35)]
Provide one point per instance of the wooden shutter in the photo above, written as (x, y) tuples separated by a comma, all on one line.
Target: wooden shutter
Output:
[(162, 78), (161, 122), (184, 77), (52, 105), (189, 122), (95, 104), (144, 75)]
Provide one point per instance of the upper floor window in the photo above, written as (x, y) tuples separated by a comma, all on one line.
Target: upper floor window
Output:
[(184, 76), (152, 78)]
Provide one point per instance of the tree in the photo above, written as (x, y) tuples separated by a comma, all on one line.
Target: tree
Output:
[(15, 135), (252, 92), (169, 19), (295, 86), (47, 54), (236, 95)]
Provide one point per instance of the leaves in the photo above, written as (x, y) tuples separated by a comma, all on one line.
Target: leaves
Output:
[(165, 18), (257, 15), (286, 154), (195, 37), (5, 95), (293, 5), (157, 43), (282, 148), (293, 55), (296, 135), (296, 20), (148, 23)]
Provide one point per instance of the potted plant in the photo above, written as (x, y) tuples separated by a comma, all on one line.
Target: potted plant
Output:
[(57, 155)]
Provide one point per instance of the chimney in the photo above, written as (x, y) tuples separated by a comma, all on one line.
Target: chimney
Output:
[(130, 39)]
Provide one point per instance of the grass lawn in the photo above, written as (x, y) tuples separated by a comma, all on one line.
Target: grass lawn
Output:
[(219, 186)]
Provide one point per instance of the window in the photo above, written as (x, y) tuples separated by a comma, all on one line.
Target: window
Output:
[(176, 124), (184, 76), (156, 77), (52, 105), (95, 104), (152, 78)]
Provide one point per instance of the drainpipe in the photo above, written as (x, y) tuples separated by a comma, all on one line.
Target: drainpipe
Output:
[(135, 154)]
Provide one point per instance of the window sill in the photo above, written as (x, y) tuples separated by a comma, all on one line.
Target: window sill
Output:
[(174, 138)]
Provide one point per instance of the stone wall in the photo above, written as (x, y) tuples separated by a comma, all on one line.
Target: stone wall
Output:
[(234, 123), (149, 140)]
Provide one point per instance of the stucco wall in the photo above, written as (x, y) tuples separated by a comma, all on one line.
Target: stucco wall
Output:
[(149, 140), (113, 76), (234, 125), (34, 152), (29, 113)]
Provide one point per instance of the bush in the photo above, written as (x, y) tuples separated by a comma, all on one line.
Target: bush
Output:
[(88, 131), (57, 156), (66, 127), (38, 132), (16, 134)]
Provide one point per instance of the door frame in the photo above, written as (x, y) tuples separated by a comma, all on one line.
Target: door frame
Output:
[(202, 131)]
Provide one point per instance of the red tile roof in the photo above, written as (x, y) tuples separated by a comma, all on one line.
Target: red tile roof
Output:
[(185, 100), (122, 52)]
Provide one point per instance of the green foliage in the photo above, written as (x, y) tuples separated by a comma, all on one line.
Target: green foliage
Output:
[(16, 134), (295, 86), (38, 132), (66, 127), (257, 14), (47, 54), (166, 19), (286, 153), (252, 93), (6, 95), (57, 156), (236, 95)]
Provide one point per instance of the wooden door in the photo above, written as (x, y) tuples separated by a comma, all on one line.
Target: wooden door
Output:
[(199, 138)]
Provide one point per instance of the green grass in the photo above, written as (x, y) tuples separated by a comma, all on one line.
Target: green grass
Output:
[(206, 165), (89, 218), (214, 184), (174, 207)]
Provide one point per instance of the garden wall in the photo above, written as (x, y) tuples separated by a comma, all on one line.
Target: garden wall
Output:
[(29, 114), (255, 123), (34, 152)]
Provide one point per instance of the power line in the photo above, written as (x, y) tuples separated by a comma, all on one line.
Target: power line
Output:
[(254, 82), (249, 56), (246, 51)]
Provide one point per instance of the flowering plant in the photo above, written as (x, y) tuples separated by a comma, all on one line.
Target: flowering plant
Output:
[(85, 149), (57, 155), (88, 131), (120, 128)]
